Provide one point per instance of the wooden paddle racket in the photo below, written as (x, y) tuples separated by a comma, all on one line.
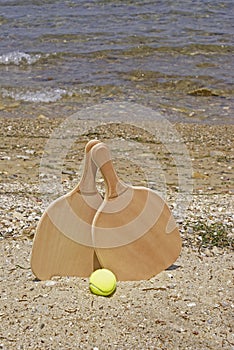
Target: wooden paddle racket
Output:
[(133, 231), (63, 244)]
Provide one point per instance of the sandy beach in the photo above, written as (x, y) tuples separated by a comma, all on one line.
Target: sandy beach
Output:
[(189, 306)]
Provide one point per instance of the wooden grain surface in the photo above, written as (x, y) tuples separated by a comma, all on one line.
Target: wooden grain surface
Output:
[(133, 231), (63, 244)]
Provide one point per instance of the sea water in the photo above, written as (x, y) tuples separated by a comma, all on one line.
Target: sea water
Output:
[(175, 56)]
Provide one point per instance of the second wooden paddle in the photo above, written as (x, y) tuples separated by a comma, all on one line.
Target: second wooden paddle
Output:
[(133, 231), (62, 245)]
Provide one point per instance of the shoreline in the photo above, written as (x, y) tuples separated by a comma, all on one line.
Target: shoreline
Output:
[(175, 108), (210, 147), (187, 307)]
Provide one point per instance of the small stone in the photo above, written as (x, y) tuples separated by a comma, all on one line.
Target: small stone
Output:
[(216, 154), (42, 117), (208, 252), (50, 283), (215, 250), (29, 151), (203, 92), (192, 304), (22, 157), (14, 105), (5, 158), (197, 175)]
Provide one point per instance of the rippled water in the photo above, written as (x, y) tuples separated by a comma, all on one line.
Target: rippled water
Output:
[(176, 56)]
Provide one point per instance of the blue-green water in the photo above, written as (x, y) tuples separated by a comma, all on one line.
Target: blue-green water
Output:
[(176, 56)]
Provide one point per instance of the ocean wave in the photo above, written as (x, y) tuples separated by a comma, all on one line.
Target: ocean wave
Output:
[(49, 95), (17, 58)]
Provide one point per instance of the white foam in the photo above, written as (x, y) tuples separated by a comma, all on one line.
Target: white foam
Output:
[(17, 58), (48, 95)]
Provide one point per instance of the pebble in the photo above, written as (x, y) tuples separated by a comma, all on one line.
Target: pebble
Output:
[(192, 304), (5, 158), (50, 283), (216, 153), (19, 156), (42, 117)]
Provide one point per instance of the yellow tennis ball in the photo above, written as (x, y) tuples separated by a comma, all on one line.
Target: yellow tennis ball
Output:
[(102, 282)]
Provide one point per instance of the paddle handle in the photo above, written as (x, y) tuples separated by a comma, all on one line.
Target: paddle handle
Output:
[(101, 156), (87, 183)]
